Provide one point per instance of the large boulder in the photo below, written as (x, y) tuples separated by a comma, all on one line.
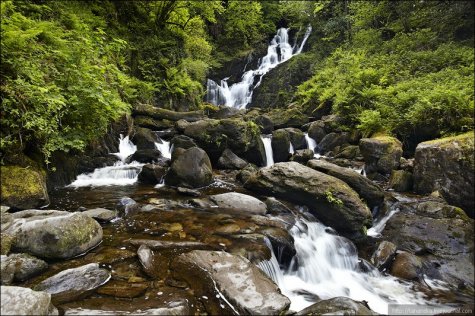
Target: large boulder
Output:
[(152, 173), (367, 189), (192, 169), (144, 138), (291, 117), (230, 160), (265, 124), (328, 198), (297, 138), (447, 165), (239, 201), (401, 181), (332, 140), (381, 154), (23, 188), (280, 145), (54, 234), (24, 301), (316, 130), (146, 155), (231, 284)]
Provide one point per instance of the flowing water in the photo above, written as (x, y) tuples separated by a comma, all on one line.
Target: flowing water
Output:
[(164, 148), (267, 140), (239, 95), (311, 143)]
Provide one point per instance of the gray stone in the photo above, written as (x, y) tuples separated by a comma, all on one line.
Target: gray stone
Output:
[(23, 301), (239, 201), (332, 140), (192, 169), (338, 306), (24, 266), (230, 160), (381, 154), (101, 214)]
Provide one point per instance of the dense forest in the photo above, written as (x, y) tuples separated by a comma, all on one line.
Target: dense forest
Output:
[(69, 68)]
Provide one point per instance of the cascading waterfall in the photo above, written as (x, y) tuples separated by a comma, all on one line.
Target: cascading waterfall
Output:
[(121, 173), (164, 148), (311, 143), (239, 95), (291, 149), (327, 265), (267, 140)]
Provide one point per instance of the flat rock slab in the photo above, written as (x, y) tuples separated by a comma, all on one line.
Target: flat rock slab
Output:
[(239, 201), (72, 284), (101, 214), (231, 284), (23, 301)]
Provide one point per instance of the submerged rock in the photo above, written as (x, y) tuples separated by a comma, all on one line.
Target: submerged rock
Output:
[(192, 169), (72, 284), (231, 284), (178, 307), (328, 198), (338, 306), (54, 234), (381, 154), (447, 165), (123, 289), (23, 301), (239, 201)]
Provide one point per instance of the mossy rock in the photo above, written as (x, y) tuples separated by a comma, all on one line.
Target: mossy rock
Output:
[(401, 181), (291, 117), (6, 243), (382, 154), (151, 123), (23, 188)]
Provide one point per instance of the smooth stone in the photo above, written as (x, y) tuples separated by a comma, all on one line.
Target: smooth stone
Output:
[(230, 160), (25, 266), (101, 214), (383, 255), (146, 259), (239, 201), (406, 266), (24, 301), (338, 306), (75, 283), (123, 289)]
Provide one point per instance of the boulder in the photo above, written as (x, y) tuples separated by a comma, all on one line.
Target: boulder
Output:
[(230, 160), (291, 117), (192, 169), (265, 124), (144, 138), (152, 173), (23, 188), (381, 154), (101, 214), (297, 138), (282, 243), (75, 283), (182, 141), (245, 173), (280, 145), (151, 123), (23, 301), (6, 243), (239, 201), (384, 255), (302, 156), (316, 130), (54, 234), (24, 266), (367, 189), (401, 181), (328, 198), (274, 206), (332, 140), (406, 266), (146, 155), (181, 124), (349, 152), (338, 306), (447, 165), (231, 284)]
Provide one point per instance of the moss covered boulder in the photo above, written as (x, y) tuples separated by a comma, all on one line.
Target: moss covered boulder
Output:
[(54, 234), (331, 200), (280, 145), (291, 117), (447, 165), (381, 154), (23, 188)]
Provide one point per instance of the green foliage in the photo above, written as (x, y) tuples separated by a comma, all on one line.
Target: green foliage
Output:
[(332, 199)]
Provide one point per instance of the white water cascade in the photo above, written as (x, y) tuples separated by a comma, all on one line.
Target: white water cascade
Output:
[(311, 143), (291, 149), (267, 140), (121, 173), (239, 95), (164, 148), (327, 265)]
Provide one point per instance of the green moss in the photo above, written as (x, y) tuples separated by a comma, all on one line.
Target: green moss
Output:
[(17, 182)]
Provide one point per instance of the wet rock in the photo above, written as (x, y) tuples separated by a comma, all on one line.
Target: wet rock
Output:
[(338, 306), (302, 155), (290, 117), (384, 255), (109, 255), (182, 141), (282, 243), (192, 169), (265, 124), (23, 188), (367, 189), (146, 259), (230, 160), (127, 205), (54, 234), (72, 284), (189, 192), (232, 284), (348, 152), (227, 229), (332, 140), (317, 131), (144, 138), (239, 201), (297, 138), (328, 198), (24, 266), (406, 266), (178, 307), (6, 243), (152, 173), (245, 173), (381, 154), (23, 301), (146, 155), (163, 244), (447, 165), (401, 181), (122, 289), (274, 206), (280, 145), (101, 214)]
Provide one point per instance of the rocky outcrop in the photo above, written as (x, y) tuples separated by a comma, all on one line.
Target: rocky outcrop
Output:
[(316, 130), (23, 188), (381, 154), (23, 301), (163, 114), (146, 155), (367, 189), (447, 165), (332, 140), (231, 284), (330, 199), (239, 201), (338, 306), (230, 160), (151, 123), (192, 169), (54, 234)]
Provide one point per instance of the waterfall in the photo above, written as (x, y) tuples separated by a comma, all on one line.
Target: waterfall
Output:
[(291, 149), (379, 225), (164, 148), (121, 173), (327, 265), (311, 143), (267, 140), (239, 95)]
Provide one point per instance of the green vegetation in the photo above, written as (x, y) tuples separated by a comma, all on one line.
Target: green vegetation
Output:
[(404, 67)]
